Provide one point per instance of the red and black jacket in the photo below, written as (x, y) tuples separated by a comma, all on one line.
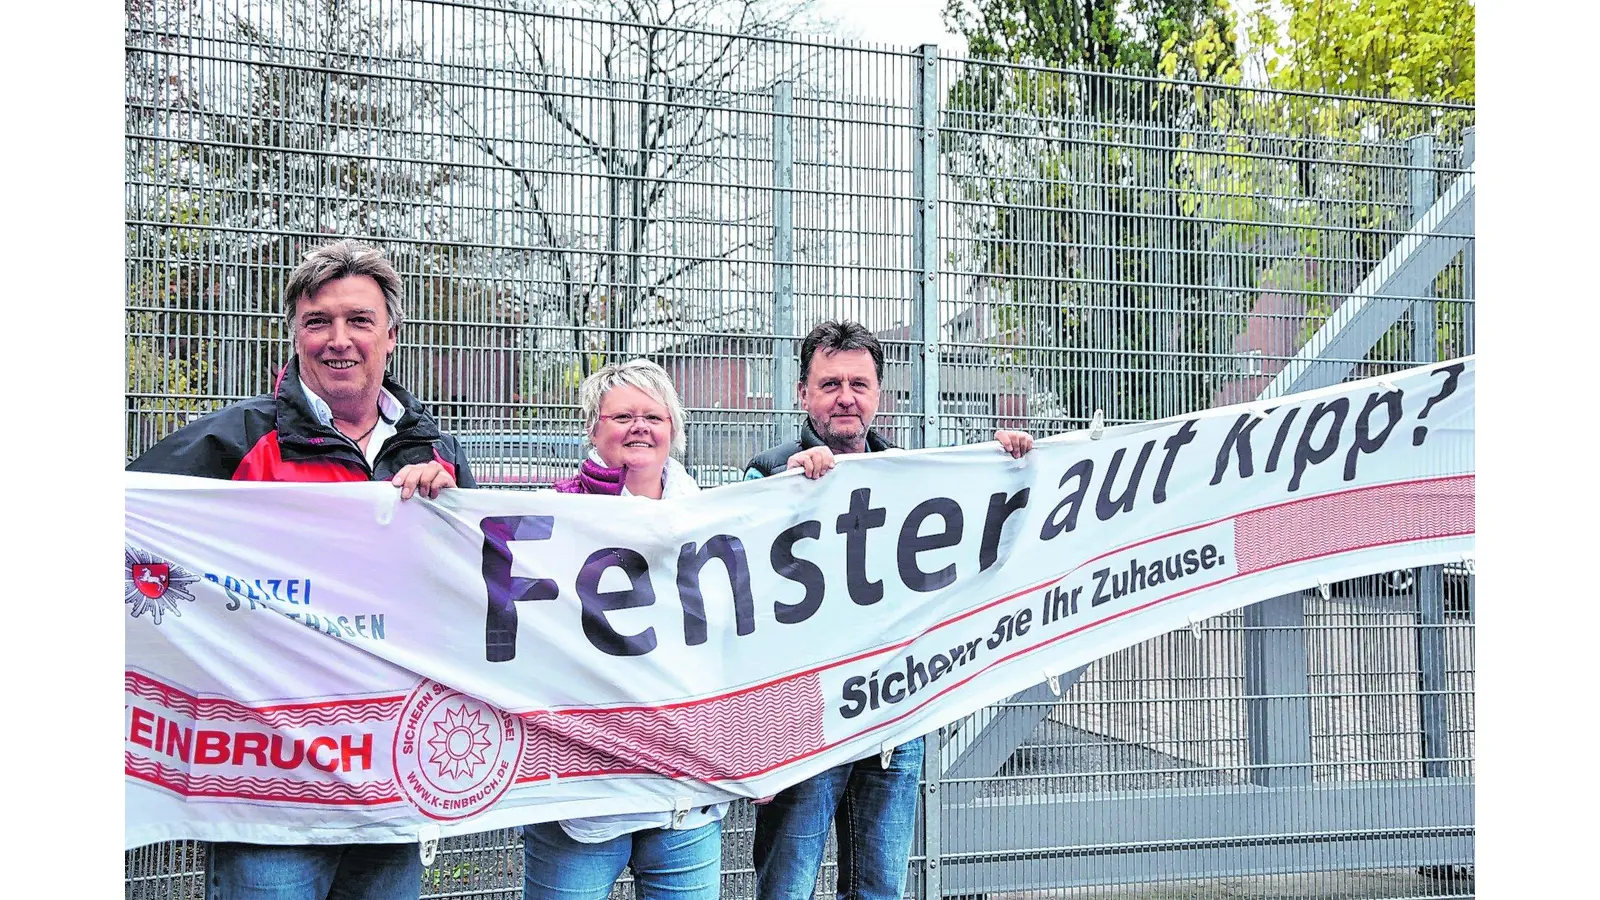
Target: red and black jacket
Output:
[(276, 437)]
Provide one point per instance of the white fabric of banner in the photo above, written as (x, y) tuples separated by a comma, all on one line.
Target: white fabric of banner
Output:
[(311, 663)]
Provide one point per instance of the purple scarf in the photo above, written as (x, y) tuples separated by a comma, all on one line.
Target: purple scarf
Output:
[(592, 478)]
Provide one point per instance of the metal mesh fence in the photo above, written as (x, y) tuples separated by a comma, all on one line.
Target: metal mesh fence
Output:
[(560, 189)]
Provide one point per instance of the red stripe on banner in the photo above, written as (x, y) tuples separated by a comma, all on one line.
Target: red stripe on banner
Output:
[(280, 790), (706, 741), (1301, 530), (1345, 521), (282, 715), (1421, 489), (1359, 503)]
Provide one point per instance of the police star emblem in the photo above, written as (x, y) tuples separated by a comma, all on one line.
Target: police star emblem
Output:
[(154, 585), (458, 743)]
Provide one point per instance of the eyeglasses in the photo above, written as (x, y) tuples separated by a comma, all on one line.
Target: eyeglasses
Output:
[(625, 420)]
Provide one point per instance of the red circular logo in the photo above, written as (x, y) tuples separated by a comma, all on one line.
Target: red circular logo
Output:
[(454, 755)]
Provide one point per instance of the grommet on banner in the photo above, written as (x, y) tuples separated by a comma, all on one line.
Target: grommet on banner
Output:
[(884, 752), (1322, 588), (1055, 682), (680, 811), (1467, 561), (387, 506), (1388, 385), (1259, 412), (427, 840), (1097, 425)]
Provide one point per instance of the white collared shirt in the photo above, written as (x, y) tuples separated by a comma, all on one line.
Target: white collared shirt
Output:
[(675, 479), (389, 412)]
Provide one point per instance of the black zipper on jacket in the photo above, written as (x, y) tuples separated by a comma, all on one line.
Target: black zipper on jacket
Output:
[(308, 436), (395, 444)]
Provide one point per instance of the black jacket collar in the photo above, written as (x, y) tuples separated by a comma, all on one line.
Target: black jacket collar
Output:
[(297, 424)]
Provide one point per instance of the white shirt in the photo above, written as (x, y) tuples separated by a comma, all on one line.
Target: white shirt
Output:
[(599, 829), (389, 412), (675, 479)]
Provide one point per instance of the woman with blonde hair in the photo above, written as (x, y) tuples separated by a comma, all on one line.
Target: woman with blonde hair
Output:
[(634, 423)]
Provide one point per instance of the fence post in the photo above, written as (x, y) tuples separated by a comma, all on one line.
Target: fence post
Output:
[(925, 243), (783, 347), (1424, 190), (1161, 377), (1469, 339), (932, 812), (1277, 691), (925, 373), (1431, 672), (1429, 579)]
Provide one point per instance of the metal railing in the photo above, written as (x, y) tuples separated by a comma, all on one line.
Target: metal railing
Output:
[(1030, 244)]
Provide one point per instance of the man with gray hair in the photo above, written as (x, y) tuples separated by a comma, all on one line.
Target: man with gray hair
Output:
[(332, 416)]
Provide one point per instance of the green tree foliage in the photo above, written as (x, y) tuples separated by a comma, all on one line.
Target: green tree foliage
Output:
[(1134, 228), (1396, 49), (1401, 49), (1187, 38), (1071, 177)]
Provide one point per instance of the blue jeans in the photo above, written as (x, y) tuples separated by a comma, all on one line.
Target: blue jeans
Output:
[(667, 864), (313, 872), (872, 809)]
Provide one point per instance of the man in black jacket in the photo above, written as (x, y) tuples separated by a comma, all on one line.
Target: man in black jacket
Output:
[(841, 368), (332, 416)]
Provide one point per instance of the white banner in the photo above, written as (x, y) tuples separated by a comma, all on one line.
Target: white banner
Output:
[(322, 663)]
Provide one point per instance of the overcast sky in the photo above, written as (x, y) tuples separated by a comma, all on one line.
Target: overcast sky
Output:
[(903, 23)]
